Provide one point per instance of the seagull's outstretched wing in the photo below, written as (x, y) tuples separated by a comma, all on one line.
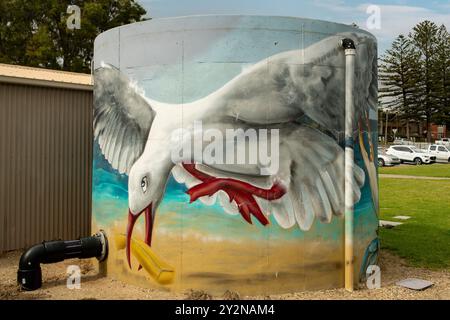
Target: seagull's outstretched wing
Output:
[(316, 184), (122, 118), (311, 169), (308, 82)]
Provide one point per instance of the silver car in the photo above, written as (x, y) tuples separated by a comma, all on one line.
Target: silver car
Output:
[(385, 160)]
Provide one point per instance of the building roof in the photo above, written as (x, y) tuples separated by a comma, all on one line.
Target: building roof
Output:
[(44, 77)]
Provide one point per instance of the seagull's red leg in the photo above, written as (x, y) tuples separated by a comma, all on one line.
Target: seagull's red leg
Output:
[(241, 192), (211, 186)]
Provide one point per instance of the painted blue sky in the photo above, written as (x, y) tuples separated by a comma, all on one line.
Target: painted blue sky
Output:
[(397, 16)]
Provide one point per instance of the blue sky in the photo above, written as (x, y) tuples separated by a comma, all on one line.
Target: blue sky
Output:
[(397, 16)]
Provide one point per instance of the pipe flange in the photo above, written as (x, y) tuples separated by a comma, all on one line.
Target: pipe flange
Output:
[(104, 241)]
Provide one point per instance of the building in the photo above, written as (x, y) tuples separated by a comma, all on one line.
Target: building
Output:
[(415, 130), (439, 131), (45, 155)]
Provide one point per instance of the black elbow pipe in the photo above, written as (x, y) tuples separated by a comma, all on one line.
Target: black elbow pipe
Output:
[(29, 275), (348, 43)]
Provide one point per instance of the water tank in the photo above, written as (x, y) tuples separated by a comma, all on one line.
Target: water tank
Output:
[(219, 152)]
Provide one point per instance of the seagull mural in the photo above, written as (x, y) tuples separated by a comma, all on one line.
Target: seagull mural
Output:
[(299, 92)]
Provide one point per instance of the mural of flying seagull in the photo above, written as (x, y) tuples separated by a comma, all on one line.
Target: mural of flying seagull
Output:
[(134, 135)]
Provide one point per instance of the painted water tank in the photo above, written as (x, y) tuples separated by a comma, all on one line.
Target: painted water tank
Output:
[(219, 153)]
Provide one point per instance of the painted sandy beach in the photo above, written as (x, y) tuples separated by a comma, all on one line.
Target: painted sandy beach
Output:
[(250, 267), (225, 265)]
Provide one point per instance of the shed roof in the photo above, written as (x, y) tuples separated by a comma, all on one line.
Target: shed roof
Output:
[(44, 77)]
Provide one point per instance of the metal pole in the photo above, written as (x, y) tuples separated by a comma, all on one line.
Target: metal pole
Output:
[(350, 52)]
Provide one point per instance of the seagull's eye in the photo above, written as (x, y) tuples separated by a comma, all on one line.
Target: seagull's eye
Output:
[(144, 184)]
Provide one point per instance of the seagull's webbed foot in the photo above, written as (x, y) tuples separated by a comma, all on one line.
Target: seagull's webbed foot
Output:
[(241, 192)]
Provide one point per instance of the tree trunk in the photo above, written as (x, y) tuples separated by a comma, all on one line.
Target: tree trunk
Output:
[(428, 130), (381, 121), (386, 129), (407, 129)]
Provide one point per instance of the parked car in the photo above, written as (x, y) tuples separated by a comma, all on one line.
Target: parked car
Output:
[(441, 152), (410, 154), (386, 160), (443, 141), (402, 141)]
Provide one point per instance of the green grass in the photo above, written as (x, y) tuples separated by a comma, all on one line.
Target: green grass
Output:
[(423, 240), (429, 170)]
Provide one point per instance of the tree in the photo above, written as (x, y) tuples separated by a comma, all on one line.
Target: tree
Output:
[(424, 39), (15, 29), (441, 72), (35, 33), (396, 73)]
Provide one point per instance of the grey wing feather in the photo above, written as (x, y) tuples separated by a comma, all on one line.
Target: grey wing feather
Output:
[(122, 118), (308, 82), (316, 186)]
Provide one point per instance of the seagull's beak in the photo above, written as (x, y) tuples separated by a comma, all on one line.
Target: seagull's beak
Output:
[(148, 228)]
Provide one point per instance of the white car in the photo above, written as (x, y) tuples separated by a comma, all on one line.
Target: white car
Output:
[(402, 141), (443, 141), (386, 160), (440, 152), (410, 154)]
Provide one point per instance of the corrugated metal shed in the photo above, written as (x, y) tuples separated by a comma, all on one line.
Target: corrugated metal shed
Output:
[(45, 155), (44, 77)]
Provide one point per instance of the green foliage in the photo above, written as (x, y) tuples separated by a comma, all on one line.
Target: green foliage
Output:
[(397, 75), (424, 38), (415, 75), (441, 72), (35, 33)]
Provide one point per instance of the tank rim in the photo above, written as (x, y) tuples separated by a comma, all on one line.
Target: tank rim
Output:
[(280, 17)]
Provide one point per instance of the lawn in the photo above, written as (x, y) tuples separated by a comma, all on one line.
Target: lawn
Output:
[(429, 170), (423, 240)]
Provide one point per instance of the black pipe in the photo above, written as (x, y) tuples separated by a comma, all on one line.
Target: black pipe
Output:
[(29, 275)]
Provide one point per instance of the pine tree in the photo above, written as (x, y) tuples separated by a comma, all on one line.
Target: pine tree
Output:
[(424, 39), (441, 75), (396, 73)]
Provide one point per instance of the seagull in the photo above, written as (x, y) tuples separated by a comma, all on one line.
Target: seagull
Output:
[(298, 92)]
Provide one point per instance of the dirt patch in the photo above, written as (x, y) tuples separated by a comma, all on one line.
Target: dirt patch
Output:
[(393, 269), (198, 295), (95, 287)]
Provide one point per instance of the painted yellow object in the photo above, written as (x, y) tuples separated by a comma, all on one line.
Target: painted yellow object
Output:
[(159, 270)]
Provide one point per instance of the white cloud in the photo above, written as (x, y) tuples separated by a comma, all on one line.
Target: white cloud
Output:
[(396, 20), (334, 5)]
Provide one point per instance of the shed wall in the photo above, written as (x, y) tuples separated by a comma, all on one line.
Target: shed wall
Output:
[(45, 164)]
